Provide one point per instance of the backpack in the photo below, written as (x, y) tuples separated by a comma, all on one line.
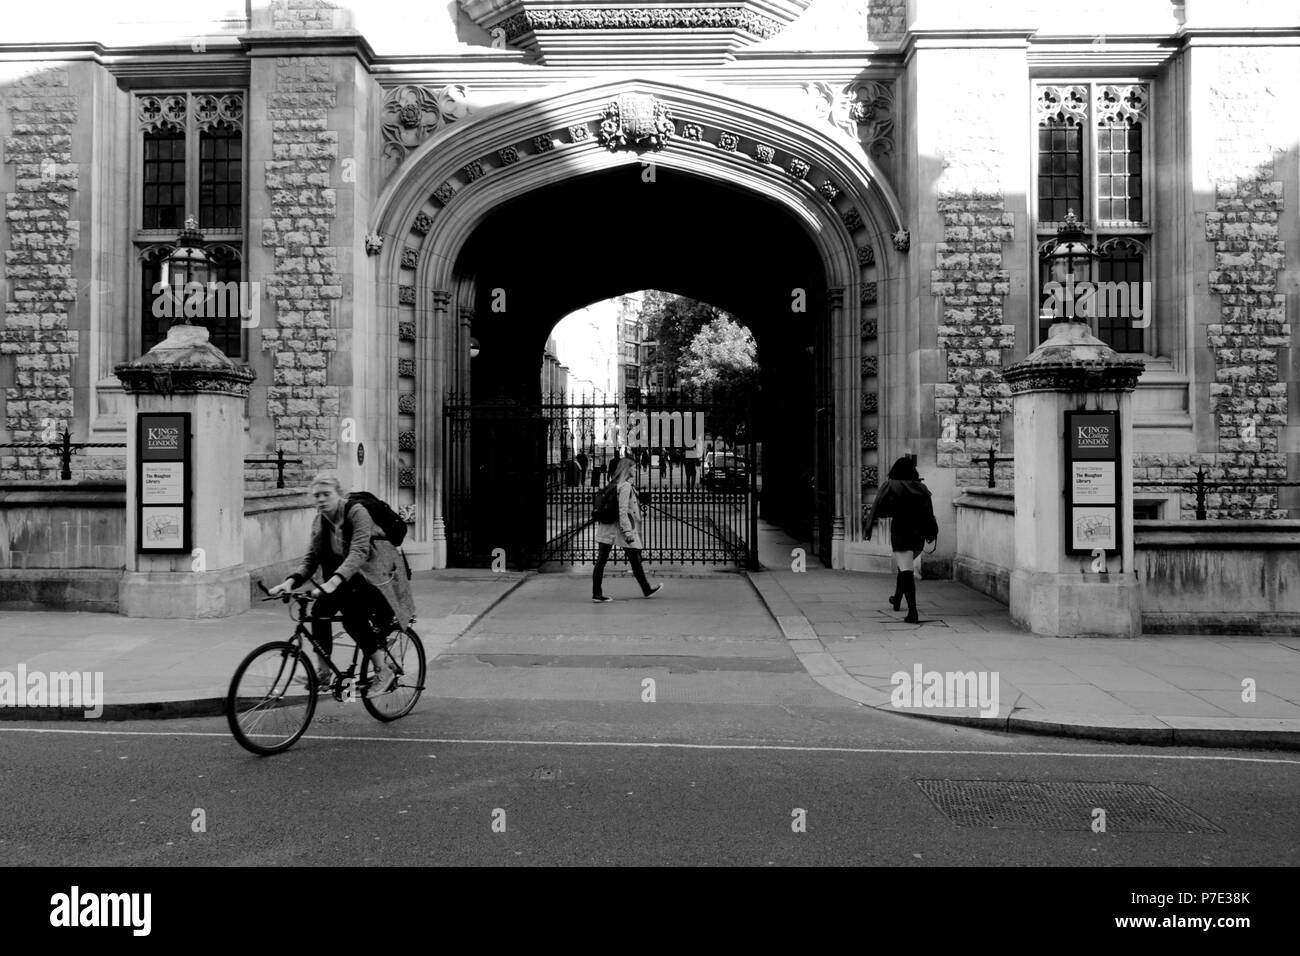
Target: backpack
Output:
[(607, 509), (381, 514)]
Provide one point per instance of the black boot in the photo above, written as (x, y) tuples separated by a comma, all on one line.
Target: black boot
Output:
[(909, 592), (897, 599)]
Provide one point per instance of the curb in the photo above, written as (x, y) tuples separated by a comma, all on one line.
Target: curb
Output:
[(822, 667), (142, 710), (178, 708)]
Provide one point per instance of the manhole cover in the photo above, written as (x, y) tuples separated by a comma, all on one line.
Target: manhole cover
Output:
[(1019, 804), (545, 773)]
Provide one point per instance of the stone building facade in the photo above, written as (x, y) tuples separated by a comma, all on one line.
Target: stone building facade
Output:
[(871, 184)]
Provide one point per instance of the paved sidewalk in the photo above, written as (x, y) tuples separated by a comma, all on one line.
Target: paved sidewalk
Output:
[(1154, 690), (162, 668), (1157, 690)]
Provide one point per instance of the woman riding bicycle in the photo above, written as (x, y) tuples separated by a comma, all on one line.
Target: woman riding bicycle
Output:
[(363, 578)]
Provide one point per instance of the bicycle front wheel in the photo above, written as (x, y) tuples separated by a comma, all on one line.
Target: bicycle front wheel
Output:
[(406, 656), (272, 698)]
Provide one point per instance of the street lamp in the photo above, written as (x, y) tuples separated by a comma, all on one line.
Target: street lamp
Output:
[(1069, 263), (187, 267), (473, 347)]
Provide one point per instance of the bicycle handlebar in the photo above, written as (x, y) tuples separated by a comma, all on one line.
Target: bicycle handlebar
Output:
[(287, 596)]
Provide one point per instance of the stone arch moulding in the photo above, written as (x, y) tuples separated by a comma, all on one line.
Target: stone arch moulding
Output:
[(816, 174)]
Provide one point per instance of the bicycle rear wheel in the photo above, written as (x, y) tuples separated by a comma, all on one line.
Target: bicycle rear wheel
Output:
[(272, 698), (407, 658)]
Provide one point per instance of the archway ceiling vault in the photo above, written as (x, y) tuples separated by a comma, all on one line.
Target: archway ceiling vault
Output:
[(445, 188), (566, 246)]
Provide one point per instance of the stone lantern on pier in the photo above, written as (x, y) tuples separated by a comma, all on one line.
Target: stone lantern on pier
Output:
[(185, 495), (1072, 403)]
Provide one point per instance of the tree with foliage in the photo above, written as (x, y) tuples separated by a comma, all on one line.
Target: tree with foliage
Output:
[(673, 322), (723, 354), (722, 361)]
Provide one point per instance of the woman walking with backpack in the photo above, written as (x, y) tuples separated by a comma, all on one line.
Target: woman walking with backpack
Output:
[(621, 525), (906, 500)]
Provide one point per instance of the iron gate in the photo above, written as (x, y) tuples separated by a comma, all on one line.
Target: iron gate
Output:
[(526, 479)]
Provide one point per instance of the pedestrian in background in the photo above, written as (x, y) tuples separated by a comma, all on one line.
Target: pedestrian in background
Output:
[(625, 529), (907, 502), (692, 465)]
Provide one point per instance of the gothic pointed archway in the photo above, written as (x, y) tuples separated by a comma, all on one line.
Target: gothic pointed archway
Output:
[(810, 210)]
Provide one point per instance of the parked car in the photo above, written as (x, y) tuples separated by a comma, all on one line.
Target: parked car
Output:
[(723, 470)]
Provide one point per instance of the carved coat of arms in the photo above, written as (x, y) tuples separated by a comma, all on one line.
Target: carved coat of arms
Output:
[(636, 119)]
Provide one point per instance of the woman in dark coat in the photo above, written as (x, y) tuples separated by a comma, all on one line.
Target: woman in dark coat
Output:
[(905, 499)]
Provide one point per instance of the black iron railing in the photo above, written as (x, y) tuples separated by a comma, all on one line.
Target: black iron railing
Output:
[(536, 502), (279, 461), (991, 461), (66, 448), (1201, 484)]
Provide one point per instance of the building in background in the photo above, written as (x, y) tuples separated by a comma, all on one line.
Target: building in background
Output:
[(587, 342), (629, 346), (555, 374)]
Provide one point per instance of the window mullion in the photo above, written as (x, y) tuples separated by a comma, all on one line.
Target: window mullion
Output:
[(191, 159), (1149, 343), (1090, 163)]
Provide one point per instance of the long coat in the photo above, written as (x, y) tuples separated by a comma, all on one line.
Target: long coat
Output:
[(629, 519), (909, 504), (367, 553)]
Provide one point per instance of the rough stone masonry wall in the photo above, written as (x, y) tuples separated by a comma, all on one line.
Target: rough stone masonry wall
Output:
[(306, 283), (302, 15), (969, 277), (886, 19), (972, 283), (40, 289), (1249, 393)]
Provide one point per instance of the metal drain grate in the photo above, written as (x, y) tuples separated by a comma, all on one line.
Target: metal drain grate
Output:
[(1021, 804)]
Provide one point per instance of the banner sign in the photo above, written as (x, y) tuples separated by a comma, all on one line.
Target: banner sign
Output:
[(162, 482), (1092, 481)]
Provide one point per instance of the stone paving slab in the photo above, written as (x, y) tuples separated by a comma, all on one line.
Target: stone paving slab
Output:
[(166, 668), (1172, 690), (1265, 705)]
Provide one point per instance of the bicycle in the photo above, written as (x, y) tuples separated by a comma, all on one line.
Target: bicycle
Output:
[(272, 697)]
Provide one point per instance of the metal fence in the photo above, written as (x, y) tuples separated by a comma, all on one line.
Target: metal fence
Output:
[(992, 462), (66, 448), (524, 479), (279, 461), (1201, 484)]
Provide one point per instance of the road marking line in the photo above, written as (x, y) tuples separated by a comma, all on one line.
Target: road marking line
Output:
[(665, 745)]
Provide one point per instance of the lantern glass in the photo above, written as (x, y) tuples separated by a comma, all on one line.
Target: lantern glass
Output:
[(1074, 259), (187, 265), (1070, 261)]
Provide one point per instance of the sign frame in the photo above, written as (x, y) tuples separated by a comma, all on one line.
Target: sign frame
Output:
[(1111, 454), (169, 513)]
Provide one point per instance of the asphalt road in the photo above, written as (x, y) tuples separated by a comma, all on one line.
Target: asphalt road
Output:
[(535, 744), (604, 783)]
